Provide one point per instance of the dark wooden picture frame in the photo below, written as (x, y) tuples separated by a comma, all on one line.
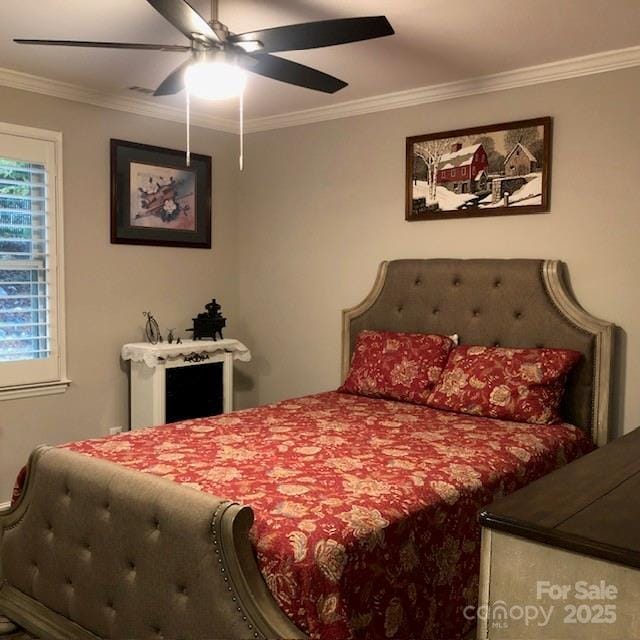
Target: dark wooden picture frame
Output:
[(480, 171), (156, 199)]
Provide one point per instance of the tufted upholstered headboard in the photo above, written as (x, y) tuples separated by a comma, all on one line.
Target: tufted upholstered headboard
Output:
[(510, 303)]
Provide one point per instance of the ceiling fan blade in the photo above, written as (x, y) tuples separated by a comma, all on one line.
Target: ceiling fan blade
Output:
[(106, 45), (290, 72), (174, 82), (184, 18), (311, 35)]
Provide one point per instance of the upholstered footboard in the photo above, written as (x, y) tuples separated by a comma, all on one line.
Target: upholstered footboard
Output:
[(96, 550)]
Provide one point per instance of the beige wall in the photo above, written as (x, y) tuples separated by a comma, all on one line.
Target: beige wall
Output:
[(299, 236), (108, 286), (321, 205)]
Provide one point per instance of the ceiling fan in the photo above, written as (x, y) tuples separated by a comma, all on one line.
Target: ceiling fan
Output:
[(218, 56)]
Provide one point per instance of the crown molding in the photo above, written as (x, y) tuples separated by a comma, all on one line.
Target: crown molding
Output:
[(139, 106), (527, 76)]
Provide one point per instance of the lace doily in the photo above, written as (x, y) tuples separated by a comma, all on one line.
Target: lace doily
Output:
[(154, 354)]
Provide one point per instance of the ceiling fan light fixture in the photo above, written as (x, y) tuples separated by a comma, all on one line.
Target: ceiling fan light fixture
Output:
[(215, 80)]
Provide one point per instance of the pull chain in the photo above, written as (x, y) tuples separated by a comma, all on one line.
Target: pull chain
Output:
[(188, 127), (242, 131)]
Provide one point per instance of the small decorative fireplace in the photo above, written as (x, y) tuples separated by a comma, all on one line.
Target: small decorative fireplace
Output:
[(172, 382)]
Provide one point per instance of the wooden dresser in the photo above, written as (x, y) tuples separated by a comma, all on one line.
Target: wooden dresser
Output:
[(561, 557)]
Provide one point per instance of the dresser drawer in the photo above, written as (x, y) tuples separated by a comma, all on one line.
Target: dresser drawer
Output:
[(531, 590)]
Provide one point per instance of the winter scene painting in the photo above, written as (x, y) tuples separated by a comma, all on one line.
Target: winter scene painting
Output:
[(493, 170), (162, 197)]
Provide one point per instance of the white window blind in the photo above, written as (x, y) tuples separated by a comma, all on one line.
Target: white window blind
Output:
[(31, 327)]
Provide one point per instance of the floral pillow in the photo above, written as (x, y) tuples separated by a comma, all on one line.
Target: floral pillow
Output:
[(524, 385), (398, 366)]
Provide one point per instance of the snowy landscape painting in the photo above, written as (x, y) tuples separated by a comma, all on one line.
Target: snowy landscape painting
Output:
[(484, 171)]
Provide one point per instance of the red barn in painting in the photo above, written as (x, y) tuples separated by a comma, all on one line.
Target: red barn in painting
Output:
[(464, 169)]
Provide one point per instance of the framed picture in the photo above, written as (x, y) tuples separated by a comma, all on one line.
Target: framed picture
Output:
[(500, 169), (156, 199)]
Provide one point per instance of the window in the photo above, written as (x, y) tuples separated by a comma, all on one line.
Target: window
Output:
[(32, 356)]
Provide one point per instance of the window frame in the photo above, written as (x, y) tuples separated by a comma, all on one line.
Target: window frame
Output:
[(59, 382)]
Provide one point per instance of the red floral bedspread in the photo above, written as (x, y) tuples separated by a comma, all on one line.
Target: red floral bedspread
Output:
[(366, 510)]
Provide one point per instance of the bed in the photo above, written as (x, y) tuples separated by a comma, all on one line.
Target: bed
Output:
[(97, 549)]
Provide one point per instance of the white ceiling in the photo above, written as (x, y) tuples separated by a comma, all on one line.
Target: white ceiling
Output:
[(436, 41)]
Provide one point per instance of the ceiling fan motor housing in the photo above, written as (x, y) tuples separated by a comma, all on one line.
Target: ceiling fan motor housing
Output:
[(221, 30)]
